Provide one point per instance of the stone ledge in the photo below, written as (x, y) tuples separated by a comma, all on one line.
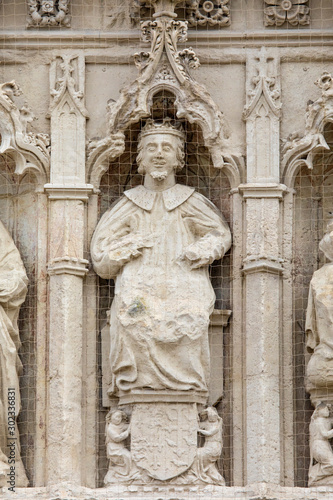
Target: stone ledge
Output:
[(95, 38), (258, 491)]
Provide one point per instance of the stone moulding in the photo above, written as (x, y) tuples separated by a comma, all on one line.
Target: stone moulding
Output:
[(300, 150), (68, 265), (30, 151), (48, 13), (164, 68), (294, 12)]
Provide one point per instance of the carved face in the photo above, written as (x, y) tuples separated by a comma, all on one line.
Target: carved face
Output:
[(212, 415), (324, 411), (116, 417), (159, 154)]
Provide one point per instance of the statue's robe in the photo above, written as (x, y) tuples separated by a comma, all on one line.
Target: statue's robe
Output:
[(13, 289), (319, 329), (160, 312)]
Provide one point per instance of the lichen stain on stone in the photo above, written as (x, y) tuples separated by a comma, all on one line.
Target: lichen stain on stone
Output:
[(136, 308)]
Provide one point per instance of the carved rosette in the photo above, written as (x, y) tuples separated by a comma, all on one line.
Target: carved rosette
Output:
[(294, 12), (48, 13), (208, 13), (197, 12)]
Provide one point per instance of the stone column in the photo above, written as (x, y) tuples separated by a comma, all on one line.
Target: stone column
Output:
[(67, 193), (262, 268)]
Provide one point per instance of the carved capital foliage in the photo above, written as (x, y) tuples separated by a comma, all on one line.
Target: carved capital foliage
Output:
[(294, 12), (299, 149), (30, 151), (50, 13), (163, 68)]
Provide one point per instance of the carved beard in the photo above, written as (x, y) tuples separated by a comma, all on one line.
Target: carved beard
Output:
[(159, 176)]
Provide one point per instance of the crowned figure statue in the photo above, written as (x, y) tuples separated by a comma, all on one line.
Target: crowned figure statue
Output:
[(157, 243)]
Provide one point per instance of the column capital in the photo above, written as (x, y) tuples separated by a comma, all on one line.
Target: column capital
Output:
[(261, 263), (79, 192), (262, 190), (68, 265)]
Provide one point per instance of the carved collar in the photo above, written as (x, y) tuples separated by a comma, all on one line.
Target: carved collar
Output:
[(172, 197)]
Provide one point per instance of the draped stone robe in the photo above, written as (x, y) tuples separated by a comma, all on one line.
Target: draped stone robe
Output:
[(160, 312), (13, 289), (319, 329)]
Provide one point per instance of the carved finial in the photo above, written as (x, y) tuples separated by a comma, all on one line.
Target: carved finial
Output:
[(10, 90), (164, 127), (325, 83), (164, 8)]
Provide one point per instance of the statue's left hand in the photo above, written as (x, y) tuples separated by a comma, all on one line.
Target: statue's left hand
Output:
[(194, 260)]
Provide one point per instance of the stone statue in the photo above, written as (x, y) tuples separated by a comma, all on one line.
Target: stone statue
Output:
[(13, 289), (319, 326), (321, 461), (157, 243), (204, 466), (120, 462)]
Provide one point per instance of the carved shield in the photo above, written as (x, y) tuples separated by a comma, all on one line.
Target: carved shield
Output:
[(164, 438)]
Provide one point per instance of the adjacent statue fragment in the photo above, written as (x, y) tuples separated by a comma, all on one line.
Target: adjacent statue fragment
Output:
[(319, 326), (13, 289), (321, 461), (319, 383)]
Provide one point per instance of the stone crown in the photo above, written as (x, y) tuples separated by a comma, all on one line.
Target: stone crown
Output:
[(164, 127)]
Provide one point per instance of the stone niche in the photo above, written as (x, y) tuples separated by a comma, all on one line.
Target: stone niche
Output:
[(198, 173), (313, 204)]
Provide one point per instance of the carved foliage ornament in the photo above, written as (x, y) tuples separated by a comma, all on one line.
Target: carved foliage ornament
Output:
[(197, 12), (300, 149), (48, 13), (292, 11), (30, 150)]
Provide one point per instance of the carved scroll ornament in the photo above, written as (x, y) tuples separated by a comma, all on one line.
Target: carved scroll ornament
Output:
[(28, 149), (300, 149)]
